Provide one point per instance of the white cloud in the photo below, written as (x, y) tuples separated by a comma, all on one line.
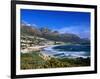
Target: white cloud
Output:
[(28, 24)]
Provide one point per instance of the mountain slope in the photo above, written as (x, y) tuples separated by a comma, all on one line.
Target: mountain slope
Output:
[(52, 35)]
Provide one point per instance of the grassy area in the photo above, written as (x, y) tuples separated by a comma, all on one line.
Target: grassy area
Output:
[(35, 60)]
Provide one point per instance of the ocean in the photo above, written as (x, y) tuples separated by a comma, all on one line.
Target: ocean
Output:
[(70, 51)]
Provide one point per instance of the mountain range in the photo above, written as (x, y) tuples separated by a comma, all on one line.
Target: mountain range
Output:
[(49, 34)]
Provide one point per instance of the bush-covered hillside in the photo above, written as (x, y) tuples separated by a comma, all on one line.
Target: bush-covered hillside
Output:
[(35, 60)]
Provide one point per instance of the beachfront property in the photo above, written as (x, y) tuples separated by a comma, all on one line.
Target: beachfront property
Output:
[(29, 41), (34, 43)]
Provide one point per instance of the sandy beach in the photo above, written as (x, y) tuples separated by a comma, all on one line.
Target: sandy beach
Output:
[(35, 48)]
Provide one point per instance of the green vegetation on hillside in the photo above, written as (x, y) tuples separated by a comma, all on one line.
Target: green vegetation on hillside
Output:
[(35, 60)]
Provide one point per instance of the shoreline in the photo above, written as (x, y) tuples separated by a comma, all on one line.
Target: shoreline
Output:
[(50, 53), (35, 48), (63, 54)]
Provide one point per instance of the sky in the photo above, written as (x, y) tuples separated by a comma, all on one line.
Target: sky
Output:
[(62, 21)]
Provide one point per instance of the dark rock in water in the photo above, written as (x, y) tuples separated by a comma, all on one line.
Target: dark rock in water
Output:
[(59, 54)]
